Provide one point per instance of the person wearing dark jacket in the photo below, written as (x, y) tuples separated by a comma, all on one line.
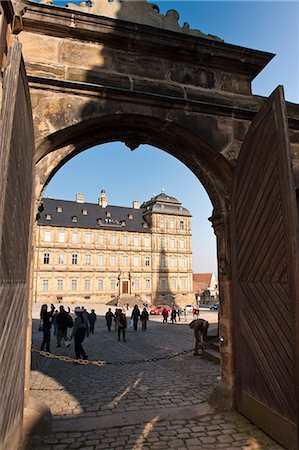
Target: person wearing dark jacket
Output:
[(109, 316), (121, 323), (135, 316), (92, 317), (79, 332), (144, 318), (62, 320), (45, 317)]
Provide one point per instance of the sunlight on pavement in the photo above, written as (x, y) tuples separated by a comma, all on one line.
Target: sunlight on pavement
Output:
[(118, 398), (146, 431), (252, 444)]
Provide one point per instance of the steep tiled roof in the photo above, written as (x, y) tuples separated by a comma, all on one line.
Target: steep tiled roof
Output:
[(201, 281), (111, 217)]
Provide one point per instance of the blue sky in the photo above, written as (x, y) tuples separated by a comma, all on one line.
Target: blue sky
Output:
[(126, 176)]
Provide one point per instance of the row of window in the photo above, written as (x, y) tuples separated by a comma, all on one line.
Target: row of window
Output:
[(88, 239), (100, 284), (163, 222), (102, 239), (101, 260)]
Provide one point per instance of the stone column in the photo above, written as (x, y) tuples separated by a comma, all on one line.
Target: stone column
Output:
[(220, 222)]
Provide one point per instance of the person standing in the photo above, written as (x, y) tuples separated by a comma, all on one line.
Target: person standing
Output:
[(109, 316), (80, 330), (135, 316), (144, 318), (45, 317), (173, 315), (92, 317), (116, 312), (165, 315), (185, 314), (179, 313), (121, 323), (54, 322), (62, 325)]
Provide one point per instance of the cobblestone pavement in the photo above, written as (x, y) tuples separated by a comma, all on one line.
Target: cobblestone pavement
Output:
[(153, 405)]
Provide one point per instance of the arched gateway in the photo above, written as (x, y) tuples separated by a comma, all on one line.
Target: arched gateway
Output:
[(123, 71)]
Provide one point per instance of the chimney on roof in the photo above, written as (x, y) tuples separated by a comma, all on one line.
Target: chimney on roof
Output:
[(136, 204), (80, 198), (103, 201)]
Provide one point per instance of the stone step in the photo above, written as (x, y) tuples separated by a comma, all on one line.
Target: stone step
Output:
[(212, 353), (215, 346)]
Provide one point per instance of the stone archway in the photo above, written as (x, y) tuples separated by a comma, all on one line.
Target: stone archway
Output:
[(141, 79), (210, 167), (114, 80)]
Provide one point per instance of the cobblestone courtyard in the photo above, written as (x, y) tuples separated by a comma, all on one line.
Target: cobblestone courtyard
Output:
[(153, 405)]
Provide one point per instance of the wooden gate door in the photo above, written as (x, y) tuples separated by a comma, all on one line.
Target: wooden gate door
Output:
[(16, 182), (265, 276)]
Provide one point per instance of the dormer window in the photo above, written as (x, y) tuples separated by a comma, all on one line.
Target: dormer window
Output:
[(48, 217), (162, 206), (108, 214), (123, 223), (84, 212), (144, 225), (75, 219), (59, 209), (99, 221), (130, 216)]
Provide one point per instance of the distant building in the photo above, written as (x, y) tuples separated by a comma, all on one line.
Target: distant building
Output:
[(205, 287), (95, 252)]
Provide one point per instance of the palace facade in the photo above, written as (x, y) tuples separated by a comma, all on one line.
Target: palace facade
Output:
[(87, 252)]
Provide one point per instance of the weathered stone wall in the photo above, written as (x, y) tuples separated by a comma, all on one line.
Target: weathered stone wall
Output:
[(95, 79)]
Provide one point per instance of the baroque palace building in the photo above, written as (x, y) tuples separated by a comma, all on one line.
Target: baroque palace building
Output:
[(89, 252)]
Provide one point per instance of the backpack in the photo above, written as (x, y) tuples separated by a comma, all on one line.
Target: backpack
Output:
[(69, 321)]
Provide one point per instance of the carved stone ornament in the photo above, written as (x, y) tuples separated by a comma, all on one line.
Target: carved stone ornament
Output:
[(138, 12)]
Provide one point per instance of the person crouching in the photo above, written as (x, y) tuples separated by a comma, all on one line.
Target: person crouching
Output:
[(200, 327)]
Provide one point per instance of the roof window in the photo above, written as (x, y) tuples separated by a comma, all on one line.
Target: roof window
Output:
[(59, 209), (108, 214), (130, 216), (84, 212), (74, 219), (48, 217)]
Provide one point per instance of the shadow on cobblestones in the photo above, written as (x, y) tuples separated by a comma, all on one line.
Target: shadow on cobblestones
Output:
[(143, 406)]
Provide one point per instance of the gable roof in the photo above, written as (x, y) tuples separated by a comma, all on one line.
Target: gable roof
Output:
[(201, 281)]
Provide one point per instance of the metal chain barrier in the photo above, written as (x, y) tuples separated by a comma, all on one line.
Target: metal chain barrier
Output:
[(87, 362)]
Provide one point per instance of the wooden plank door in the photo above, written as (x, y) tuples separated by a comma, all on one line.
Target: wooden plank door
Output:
[(16, 184), (125, 287), (265, 276)]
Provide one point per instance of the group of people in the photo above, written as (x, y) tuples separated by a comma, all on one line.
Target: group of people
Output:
[(61, 321), (120, 320), (84, 324), (174, 314)]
